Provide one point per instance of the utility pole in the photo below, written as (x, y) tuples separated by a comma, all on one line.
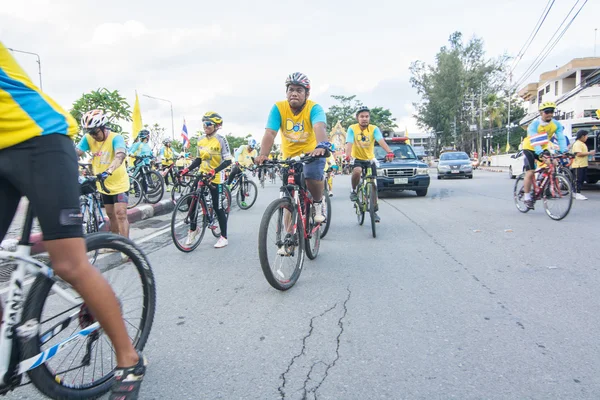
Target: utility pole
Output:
[(509, 99), (38, 61), (481, 120)]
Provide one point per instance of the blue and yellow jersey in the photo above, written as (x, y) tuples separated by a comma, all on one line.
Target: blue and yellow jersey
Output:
[(218, 150), (363, 141), (540, 133), (245, 156), (26, 112), (297, 130), (168, 155)]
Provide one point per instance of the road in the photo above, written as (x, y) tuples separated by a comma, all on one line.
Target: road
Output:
[(459, 296)]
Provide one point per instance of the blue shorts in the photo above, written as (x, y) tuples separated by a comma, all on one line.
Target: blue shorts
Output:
[(314, 170)]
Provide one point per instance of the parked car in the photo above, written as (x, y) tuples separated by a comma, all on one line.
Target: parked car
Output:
[(405, 172), (516, 165), (454, 164)]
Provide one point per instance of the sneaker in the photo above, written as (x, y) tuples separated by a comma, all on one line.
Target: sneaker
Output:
[(377, 219), (579, 196), (191, 237), (222, 242), (319, 217), (285, 253), (330, 194), (128, 381), (243, 204), (353, 196), (528, 204)]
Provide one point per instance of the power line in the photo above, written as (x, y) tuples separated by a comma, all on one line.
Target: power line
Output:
[(546, 50), (533, 34)]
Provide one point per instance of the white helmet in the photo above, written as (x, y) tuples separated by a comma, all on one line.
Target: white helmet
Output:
[(94, 119)]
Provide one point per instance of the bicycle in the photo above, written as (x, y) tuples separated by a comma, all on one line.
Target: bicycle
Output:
[(327, 209), (366, 192), (192, 205), (33, 342), (295, 230), (261, 177), (548, 186), (182, 185), (152, 182), (243, 188)]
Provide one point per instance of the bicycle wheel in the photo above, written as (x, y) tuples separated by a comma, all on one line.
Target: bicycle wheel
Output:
[(156, 182), (179, 190), (372, 194), (136, 193), (187, 209), (226, 200), (280, 247), (327, 211), (313, 242), (519, 193), (250, 193), (558, 197), (91, 225), (86, 369), (359, 206)]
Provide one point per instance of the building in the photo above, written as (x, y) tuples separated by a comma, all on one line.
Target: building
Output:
[(574, 87)]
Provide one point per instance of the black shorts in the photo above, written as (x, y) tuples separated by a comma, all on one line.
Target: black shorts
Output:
[(115, 198), (364, 163), (529, 158), (44, 169)]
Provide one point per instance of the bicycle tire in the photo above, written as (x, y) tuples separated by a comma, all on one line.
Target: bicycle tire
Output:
[(43, 379), (135, 188), (91, 226), (178, 190), (157, 182), (313, 242), (360, 205), (238, 197), (518, 193), (372, 201), (568, 195), (270, 211), (328, 211), (200, 224)]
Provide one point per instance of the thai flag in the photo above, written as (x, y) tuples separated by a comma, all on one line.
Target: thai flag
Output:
[(539, 139), (184, 136)]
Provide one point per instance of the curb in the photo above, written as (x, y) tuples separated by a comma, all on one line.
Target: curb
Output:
[(493, 170), (136, 214)]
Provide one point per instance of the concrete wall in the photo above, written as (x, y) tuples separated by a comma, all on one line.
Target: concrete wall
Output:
[(502, 160)]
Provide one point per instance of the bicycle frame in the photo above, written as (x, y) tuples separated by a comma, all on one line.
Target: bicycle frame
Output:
[(93, 204), (295, 193)]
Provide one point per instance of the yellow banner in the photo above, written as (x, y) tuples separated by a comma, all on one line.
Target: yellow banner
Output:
[(136, 126), (406, 134)]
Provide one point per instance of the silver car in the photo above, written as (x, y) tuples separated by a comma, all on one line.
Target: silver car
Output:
[(453, 164)]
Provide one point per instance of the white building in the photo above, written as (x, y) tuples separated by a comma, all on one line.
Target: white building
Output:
[(574, 87)]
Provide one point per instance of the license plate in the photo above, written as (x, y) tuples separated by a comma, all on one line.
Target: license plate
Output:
[(400, 181), (455, 172)]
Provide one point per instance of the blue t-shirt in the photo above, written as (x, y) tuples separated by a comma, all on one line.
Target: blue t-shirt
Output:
[(145, 150)]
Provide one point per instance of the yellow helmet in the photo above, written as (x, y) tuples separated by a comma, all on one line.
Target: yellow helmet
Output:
[(213, 117), (547, 104), (598, 114)]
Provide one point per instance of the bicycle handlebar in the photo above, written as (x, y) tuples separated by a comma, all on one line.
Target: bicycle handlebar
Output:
[(94, 179), (293, 160)]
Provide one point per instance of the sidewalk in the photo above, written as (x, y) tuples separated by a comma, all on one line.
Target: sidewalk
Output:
[(493, 169), (139, 213)]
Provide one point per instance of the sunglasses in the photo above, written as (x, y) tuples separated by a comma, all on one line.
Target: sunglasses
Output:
[(208, 123), (93, 132), (548, 111)]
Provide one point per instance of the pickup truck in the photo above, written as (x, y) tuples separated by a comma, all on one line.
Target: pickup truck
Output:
[(405, 172)]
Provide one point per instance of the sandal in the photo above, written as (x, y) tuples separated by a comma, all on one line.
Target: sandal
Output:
[(128, 381)]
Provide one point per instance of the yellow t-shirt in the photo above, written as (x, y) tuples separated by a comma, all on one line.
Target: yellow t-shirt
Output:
[(330, 162), (297, 130), (25, 111), (245, 157), (168, 156), (363, 141), (218, 148), (580, 162), (103, 154)]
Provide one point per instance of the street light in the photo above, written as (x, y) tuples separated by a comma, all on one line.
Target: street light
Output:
[(38, 61), (488, 137), (172, 122)]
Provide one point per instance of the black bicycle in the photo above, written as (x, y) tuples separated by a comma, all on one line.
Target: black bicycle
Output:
[(151, 181), (194, 212), (244, 189)]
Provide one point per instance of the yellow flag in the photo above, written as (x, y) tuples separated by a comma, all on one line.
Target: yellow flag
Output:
[(137, 119), (406, 134), (507, 146)]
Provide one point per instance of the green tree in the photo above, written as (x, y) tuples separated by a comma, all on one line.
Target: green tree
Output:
[(157, 135), (450, 90), (343, 112), (382, 117), (109, 101), (236, 141)]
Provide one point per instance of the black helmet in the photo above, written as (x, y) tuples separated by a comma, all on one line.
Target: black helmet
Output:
[(144, 134), (361, 109)]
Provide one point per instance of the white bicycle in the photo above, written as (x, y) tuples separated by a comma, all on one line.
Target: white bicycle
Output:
[(49, 333)]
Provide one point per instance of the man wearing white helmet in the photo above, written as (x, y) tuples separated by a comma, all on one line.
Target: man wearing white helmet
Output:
[(38, 160), (302, 124), (108, 151)]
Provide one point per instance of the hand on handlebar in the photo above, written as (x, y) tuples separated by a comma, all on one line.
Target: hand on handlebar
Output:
[(318, 152), (260, 159), (389, 156), (102, 176)]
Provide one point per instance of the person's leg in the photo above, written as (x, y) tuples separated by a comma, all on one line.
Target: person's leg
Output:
[(51, 187), (356, 171), (109, 206), (313, 174), (120, 211)]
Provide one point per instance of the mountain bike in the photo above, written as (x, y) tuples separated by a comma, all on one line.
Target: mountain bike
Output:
[(182, 185), (152, 182), (289, 227), (552, 188), (366, 192), (195, 210), (244, 189), (135, 188), (327, 209), (48, 331)]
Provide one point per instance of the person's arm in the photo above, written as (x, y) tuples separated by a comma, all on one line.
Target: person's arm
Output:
[(318, 119), (83, 146), (583, 153), (134, 148), (273, 125), (349, 142), (120, 153)]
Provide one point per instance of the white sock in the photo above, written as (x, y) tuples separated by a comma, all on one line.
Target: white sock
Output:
[(527, 196)]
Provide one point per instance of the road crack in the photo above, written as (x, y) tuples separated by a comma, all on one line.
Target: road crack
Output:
[(312, 383)]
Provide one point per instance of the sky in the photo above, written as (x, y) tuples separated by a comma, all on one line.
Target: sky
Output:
[(233, 56)]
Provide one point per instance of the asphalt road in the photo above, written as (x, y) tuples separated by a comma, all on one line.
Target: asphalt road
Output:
[(459, 296)]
